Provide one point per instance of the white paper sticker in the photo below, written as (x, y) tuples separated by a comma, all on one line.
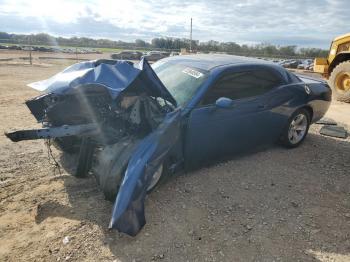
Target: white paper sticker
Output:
[(192, 72)]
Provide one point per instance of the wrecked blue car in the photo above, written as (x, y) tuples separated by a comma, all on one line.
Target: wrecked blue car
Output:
[(133, 125)]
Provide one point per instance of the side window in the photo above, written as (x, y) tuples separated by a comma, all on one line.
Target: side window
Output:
[(242, 85)]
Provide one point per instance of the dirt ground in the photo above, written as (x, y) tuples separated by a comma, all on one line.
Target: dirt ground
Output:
[(271, 205)]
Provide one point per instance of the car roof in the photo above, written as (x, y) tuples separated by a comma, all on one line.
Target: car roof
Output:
[(210, 61)]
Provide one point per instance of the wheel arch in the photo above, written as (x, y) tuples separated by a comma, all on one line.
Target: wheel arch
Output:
[(310, 110), (341, 57)]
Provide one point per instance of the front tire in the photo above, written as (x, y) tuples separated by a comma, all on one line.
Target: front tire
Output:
[(69, 144), (296, 130), (339, 81), (156, 178), (110, 166)]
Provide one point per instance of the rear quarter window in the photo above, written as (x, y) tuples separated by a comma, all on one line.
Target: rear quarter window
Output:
[(245, 84), (293, 78)]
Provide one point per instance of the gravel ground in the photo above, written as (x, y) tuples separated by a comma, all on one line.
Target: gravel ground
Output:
[(270, 205)]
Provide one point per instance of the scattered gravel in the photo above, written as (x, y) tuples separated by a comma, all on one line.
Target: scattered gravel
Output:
[(271, 205)]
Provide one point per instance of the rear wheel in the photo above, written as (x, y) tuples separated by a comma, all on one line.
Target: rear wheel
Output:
[(339, 81), (298, 126)]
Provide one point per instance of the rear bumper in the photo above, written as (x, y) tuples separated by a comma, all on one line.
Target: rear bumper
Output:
[(321, 104), (321, 111)]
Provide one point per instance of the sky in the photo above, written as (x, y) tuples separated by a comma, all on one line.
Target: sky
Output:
[(295, 22)]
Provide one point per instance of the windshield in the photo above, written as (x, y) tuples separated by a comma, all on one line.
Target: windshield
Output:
[(181, 81)]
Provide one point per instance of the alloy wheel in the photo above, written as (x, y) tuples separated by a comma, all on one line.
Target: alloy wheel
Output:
[(297, 129)]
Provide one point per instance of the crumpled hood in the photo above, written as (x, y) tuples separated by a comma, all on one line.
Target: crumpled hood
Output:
[(114, 75)]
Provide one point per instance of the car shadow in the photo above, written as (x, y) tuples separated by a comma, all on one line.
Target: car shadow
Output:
[(227, 212)]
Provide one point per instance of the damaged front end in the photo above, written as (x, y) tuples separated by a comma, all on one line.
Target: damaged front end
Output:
[(119, 118)]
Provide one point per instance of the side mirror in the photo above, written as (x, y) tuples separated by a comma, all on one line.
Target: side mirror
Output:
[(224, 102)]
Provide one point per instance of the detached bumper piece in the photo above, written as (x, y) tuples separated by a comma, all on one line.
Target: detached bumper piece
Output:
[(334, 131), (53, 132)]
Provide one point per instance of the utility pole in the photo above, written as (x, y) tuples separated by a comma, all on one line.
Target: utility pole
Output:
[(191, 37), (30, 50), (30, 55)]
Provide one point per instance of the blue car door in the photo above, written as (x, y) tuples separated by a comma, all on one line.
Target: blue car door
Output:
[(277, 113), (213, 131)]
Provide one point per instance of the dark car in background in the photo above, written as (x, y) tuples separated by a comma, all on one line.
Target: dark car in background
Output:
[(306, 64), (127, 55), (155, 55), (290, 63), (15, 47)]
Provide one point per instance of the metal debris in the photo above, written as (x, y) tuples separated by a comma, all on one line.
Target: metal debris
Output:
[(334, 131), (326, 121)]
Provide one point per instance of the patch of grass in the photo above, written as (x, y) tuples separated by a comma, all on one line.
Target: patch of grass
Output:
[(116, 50), (108, 50), (12, 44), (101, 49)]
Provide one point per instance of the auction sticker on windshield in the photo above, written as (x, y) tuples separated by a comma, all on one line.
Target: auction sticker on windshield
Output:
[(192, 72)]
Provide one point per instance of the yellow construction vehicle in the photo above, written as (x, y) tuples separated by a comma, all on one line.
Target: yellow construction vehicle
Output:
[(336, 68)]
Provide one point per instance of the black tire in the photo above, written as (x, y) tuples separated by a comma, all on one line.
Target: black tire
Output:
[(85, 158), (69, 144), (78, 163), (339, 93), (110, 183), (110, 166), (285, 140)]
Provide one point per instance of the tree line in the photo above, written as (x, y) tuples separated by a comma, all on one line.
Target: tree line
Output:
[(166, 43)]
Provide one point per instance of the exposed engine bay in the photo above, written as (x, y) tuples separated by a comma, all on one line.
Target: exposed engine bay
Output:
[(131, 114), (120, 125)]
